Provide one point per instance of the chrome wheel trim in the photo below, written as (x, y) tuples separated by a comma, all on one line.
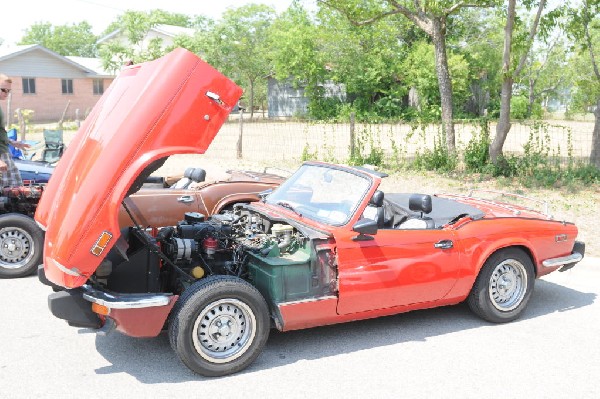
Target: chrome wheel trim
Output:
[(224, 330), (508, 285), (16, 248)]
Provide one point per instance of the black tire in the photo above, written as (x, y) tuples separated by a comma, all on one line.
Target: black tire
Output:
[(219, 325), (21, 245), (503, 287)]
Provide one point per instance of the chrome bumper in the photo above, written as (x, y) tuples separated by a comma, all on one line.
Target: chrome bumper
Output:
[(125, 301), (567, 261)]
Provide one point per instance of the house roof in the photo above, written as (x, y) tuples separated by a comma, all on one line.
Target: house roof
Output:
[(93, 64), (172, 30), (167, 30), (85, 64), (7, 52)]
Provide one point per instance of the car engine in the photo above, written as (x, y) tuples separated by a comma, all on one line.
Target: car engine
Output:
[(221, 243), (280, 260)]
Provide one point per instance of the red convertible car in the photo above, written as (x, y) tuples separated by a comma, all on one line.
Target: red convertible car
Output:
[(327, 246)]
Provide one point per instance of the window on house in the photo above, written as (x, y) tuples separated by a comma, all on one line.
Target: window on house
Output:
[(28, 85), (67, 86), (98, 86)]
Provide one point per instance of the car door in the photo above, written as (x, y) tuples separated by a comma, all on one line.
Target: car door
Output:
[(159, 207), (396, 268)]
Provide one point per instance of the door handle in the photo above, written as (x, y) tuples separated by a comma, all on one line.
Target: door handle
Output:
[(185, 199), (444, 244)]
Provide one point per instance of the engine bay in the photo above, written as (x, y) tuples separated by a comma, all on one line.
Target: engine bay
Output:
[(281, 261)]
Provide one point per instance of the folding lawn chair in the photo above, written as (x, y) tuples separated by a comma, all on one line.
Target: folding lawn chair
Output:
[(53, 146)]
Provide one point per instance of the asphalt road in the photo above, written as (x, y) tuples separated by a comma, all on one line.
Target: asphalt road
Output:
[(551, 352)]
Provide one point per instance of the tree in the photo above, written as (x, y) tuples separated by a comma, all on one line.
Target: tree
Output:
[(510, 73), (476, 34), (584, 26), (368, 60), (238, 46), (134, 25), (74, 39), (431, 18), (419, 69), (545, 74), (147, 19), (295, 48)]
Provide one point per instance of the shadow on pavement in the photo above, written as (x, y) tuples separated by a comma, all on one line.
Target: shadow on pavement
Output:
[(153, 361)]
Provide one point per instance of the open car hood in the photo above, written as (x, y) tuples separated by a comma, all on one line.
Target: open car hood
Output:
[(175, 104)]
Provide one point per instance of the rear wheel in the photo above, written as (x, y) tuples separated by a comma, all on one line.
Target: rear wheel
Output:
[(219, 325), (503, 287), (21, 242)]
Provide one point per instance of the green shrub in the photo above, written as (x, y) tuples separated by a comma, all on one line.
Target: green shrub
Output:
[(307, 155), (438, 158), (518, 107), (477, 153), (374, 155)]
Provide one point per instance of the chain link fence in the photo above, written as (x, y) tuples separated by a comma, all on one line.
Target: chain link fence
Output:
[(264, 140)]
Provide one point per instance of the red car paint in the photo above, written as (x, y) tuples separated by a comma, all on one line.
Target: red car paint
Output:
[(150, 111)]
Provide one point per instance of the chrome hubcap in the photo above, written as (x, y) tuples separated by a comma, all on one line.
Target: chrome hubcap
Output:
[(508, 285), (224, 330), (16, 248)]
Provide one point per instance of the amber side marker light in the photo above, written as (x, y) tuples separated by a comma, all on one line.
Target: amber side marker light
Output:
[(101, 243), (100, 309)]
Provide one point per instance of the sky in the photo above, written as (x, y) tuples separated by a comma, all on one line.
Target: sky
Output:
[(19, 15)]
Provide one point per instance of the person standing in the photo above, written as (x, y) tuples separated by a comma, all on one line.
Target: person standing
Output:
[(9, 174)]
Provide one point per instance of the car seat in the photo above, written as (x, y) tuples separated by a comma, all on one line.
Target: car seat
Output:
[(377, 202), (191, 175), (419, 203)]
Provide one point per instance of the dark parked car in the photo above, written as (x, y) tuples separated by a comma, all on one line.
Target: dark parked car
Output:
[(34, 172)]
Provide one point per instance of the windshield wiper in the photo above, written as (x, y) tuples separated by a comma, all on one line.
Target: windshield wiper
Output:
[(288, 206)]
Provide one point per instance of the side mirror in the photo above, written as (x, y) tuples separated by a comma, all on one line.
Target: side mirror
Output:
[(366, 228)]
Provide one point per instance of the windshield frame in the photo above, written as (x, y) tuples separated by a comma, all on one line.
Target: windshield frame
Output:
[(314, 199)]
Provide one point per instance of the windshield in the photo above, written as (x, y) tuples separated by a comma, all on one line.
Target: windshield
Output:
[(322, 193)]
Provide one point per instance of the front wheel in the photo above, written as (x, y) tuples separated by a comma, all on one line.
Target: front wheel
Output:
[(503, 287), (219, 325), (21, 242)]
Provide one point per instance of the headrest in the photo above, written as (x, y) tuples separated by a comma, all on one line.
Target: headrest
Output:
[(197, 175), (377, 198), (420, 202)]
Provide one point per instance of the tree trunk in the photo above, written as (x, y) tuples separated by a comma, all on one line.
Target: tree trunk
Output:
[(444, 81), (595, 154), (251, 98), (531, 97), (503, 126)]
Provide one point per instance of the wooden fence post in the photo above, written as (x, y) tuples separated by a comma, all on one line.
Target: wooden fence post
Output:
[(62, 118), (239, 143), (22, 124)]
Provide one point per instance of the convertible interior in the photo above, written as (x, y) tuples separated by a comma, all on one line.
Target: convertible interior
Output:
[(416, 211)]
